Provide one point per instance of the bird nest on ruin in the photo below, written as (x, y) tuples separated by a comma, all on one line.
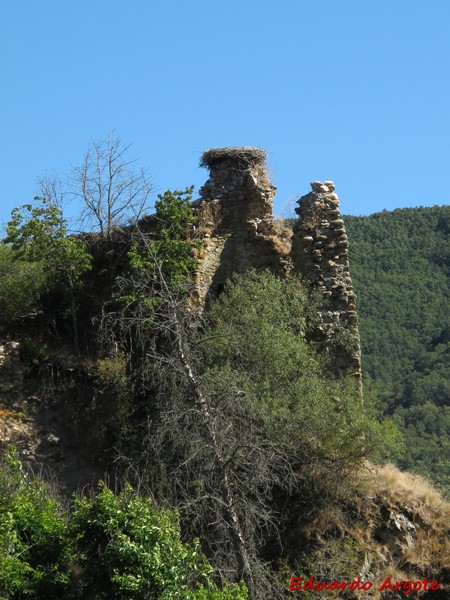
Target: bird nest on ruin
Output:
[(245, 156)]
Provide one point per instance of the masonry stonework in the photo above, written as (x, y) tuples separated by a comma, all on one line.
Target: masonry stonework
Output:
[(238, 233), (236, 223), (320, 253)]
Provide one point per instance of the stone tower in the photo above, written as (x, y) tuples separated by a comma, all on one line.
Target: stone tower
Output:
[(320, 253), (236, 223)]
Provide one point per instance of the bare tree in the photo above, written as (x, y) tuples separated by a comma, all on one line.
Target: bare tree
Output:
[(209, 452), (111, 190), (51, 187)]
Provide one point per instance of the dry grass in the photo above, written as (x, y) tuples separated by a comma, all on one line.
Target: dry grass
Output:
[(430, 510), (245, 156), (429, 551), (281, 245), (6, 413), (413, 491), (281, 237), (355, 537)]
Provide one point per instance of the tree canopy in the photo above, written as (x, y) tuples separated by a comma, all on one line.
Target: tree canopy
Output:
[(400, 265)]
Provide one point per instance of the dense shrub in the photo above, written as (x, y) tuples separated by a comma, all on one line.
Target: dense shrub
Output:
[(119, 546), (21, 285), (128, 549), (34, 541)]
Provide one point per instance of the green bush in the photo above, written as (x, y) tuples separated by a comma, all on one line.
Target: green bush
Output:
[(120, 545), (38, 234), (128, 549), (34, 541), (112, 372), (21, 285), (257, 341), (170, 246)]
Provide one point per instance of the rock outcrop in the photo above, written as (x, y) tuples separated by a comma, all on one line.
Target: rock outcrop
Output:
[(393, 527), (36, 423)]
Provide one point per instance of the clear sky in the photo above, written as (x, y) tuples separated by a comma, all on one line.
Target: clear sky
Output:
[(357, 91)]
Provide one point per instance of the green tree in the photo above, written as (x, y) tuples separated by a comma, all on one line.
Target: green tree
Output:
[(168, 245), (39, 234), (259, 329), (121, 545), (128, 549), (21, 285), (34, 539)]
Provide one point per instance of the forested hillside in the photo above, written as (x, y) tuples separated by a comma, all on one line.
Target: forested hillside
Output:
[(400, 265)]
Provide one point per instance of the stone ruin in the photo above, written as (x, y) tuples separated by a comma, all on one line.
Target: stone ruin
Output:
[(320, 253), (236, 224), (238, 232)]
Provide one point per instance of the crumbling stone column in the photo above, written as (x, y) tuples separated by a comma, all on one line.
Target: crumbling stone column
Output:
[(320, 253), (239, 183), (235, 221)]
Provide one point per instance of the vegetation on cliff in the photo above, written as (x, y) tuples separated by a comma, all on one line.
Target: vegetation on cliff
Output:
[(220, 417), (231, 418)]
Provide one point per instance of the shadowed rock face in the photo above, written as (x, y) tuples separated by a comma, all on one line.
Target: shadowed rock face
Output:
[(238, 233), (37, 425)]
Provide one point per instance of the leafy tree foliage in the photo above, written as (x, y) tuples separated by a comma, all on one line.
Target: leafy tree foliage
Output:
[(38, 234), (259, 330), (21, 285), (34, 539), (168, 245), (121, 545), (262, 325), (130, 550)]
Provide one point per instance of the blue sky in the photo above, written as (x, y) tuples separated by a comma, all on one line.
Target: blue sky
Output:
[(357, 91)]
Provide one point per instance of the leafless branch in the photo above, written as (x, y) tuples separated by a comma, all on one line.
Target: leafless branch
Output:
[(110, 189)]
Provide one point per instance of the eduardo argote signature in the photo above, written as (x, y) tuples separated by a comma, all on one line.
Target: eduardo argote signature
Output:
[(299, 584)]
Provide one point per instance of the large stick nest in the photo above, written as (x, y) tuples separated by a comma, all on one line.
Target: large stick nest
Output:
[(245, 156)]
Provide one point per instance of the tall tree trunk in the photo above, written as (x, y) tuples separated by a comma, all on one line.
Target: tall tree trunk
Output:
[(232, 516)]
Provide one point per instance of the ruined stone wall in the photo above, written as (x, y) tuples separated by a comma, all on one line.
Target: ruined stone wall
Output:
[(320, 253), (239, 233), (236, 223)]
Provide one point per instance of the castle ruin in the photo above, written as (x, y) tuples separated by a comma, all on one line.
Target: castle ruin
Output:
[(238, 233)]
